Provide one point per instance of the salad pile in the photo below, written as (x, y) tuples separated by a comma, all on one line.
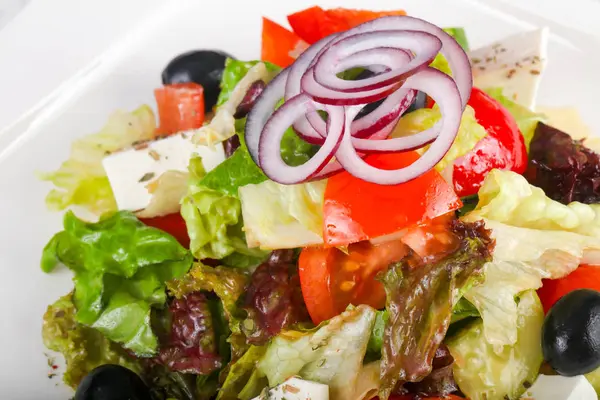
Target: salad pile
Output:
[(372, 210)]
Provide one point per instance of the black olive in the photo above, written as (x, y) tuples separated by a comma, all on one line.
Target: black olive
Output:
[(571, 333), (204, 67), (112, 382), (419, 102)]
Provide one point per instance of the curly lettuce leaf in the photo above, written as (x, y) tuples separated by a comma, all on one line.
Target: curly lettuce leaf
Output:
[(469, 133), (507, 197), (536, 238), (527, 120), (83, 348), (120, 269), (331, 354), (214, 222), (283, 216), (565, 169), (81, 180), (420, 301)]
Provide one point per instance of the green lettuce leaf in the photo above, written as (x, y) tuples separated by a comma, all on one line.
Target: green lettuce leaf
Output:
[(331, 354), (470, 132), (487, 372), (283, 216), (527, 120), (83, 348), (420, 301), (536, 238), (460, 36), (120, 267), (234, 71), (214, 220), (81, 180), (244, 381)]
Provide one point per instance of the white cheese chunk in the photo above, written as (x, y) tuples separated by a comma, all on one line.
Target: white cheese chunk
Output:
[(297, 389), (558, 387), (515, 64), (131, 172)]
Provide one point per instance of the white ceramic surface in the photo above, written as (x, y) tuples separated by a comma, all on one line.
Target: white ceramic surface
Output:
[(125, 76)]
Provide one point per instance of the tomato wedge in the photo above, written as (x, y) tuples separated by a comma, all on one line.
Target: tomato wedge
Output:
[(355, 210), (502, 148), (331, 279), (279, 45), (173, 224), (584, 277), (180, 107), (314, 23)]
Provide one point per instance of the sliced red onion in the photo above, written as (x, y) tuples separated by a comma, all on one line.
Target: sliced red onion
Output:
[(451, 50), (444, 91), (398, 50), (269, 154), (262, 110), (335, 58)]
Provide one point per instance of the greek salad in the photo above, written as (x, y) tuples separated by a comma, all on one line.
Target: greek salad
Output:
[(371, 210)]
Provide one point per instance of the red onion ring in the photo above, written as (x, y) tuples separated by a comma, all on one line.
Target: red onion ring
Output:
[(399, 50), (445, 92), (269, 146)]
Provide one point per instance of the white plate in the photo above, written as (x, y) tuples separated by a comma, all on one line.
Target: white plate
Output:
[(125, 78)]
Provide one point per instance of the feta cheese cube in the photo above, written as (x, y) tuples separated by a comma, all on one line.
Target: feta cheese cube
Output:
[(515, 64), (297, 389), (131, 172), (558, 387)]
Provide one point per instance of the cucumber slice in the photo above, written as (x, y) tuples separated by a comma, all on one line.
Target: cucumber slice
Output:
[(484, 372)]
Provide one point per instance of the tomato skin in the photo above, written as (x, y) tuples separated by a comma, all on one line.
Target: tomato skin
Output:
[(174, 224), (180, 107), (370, 210), (279, 45), (412, 397), (314, 23), (584, 277), (502, 148), (331, 280)]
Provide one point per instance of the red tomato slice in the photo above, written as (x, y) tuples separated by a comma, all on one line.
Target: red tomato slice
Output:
[(180, 107), (279, 45), (584, 277), (173, 224), (314, 23), (502, 148), (331, 279), (356, 210)]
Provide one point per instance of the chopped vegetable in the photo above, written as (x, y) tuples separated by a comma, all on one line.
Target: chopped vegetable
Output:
[(331, 354), (283, 216), (81, 180), (502, 148), (565, 169), (370, 210), (279, 45), (273, 299), (121, 267), (314, 23), (192, 346), (214, 221), (173, 224), (83, 348), (420, 297), (235, 71), (536, 238), (244, 381), (332, 279), (440, 382), (487, 372), (584, 277), (180, 107)]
